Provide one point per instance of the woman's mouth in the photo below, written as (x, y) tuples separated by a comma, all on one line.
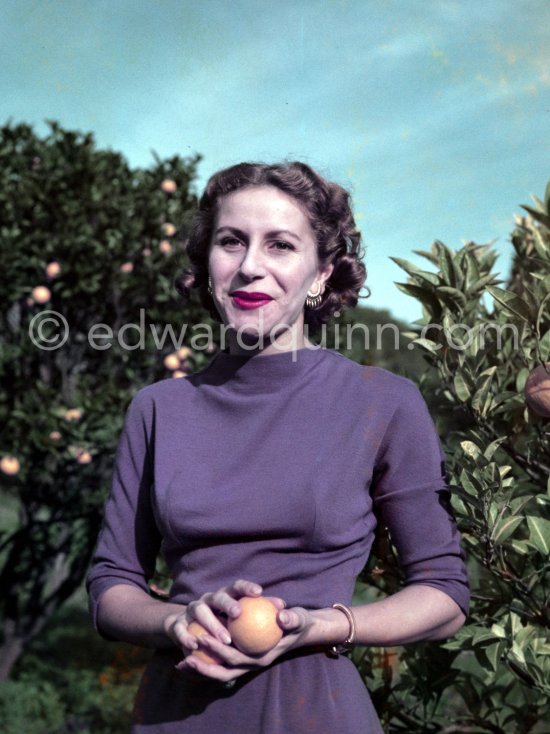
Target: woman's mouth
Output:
[(246, 300)]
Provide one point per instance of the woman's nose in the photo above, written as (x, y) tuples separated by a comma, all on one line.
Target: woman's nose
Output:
[(252, 264)]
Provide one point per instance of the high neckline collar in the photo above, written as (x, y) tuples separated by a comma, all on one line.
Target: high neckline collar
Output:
[(261, 372)]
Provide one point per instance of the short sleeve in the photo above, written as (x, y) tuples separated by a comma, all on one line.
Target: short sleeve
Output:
[(412, 499), (129, 540)]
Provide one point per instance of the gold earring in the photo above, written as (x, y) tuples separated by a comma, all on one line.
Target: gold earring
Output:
[(314, 299)]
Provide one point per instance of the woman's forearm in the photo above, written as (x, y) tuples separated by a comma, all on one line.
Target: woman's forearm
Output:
[(415, 613), (129, 614)]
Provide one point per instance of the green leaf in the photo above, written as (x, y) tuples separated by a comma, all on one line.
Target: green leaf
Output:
[(539, 533), (461, 387), (471, 483), (452, 296), (538, 216), (541, 312), (517, 653), (493, 654), (492, 447), (416, 272), (521, 379), (446, 261), (470, 448), (542, 246), (428, 344), (511, 303), (518, 503), (428, 255), (481, 283), (424, 295), (505, 527), (473, 272), (520, 546), (479, 400), (544, 346), (481, 635)]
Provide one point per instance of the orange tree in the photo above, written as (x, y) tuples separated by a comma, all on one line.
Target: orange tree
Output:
[(89, 248), (482, 338)]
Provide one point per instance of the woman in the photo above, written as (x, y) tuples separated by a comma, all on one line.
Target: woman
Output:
[(266, 473)]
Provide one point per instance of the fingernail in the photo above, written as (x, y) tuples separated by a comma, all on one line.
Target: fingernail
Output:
[(283, 616), (225, 637)]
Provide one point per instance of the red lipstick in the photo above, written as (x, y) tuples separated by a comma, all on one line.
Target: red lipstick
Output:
[(247, 300)]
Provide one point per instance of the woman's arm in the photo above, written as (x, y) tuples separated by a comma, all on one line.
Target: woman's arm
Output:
[(415, 613), (129, 614), (126, 612)]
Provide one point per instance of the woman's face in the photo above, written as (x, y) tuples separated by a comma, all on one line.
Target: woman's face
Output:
[(263, 244)]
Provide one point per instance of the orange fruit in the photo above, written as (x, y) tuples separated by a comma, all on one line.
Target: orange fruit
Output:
[(73, 414), (255, 631), (9, 465), (83, 457), (537, 391), (171, 362), (165, 247), (168, 229), (197, 630), (184, 352), (41, 294), (168, 186), (53, 269), (179, 373), (126, 267)]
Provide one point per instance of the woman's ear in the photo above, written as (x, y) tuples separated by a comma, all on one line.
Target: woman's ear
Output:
[(325, 272)]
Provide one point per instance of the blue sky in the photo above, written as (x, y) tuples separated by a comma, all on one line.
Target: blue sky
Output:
[(435, 113)]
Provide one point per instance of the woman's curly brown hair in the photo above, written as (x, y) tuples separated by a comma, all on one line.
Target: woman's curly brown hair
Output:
[(328, 207)]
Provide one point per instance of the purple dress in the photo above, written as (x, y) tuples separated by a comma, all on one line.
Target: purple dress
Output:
[(271, 468)]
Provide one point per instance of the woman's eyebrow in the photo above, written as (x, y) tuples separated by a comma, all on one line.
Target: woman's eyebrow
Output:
[(284, 233), (272, 233), (234, 230)]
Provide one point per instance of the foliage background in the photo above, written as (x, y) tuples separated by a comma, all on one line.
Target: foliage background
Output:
[(106, 225)]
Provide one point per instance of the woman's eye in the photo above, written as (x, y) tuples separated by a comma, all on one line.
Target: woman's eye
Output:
[(282, 245), (230, 242)]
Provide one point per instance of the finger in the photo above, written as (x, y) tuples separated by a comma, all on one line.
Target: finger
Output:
[(242, 587), (212, 625), (206, 611), (277, 601), (227, 653), (183, 637), (222, 601), (291, 619)]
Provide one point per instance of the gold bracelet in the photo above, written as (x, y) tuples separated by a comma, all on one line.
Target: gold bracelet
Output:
[(350, 639)]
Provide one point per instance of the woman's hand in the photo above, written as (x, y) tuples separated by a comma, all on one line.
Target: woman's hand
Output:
[(300, 627), (206, 611)]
